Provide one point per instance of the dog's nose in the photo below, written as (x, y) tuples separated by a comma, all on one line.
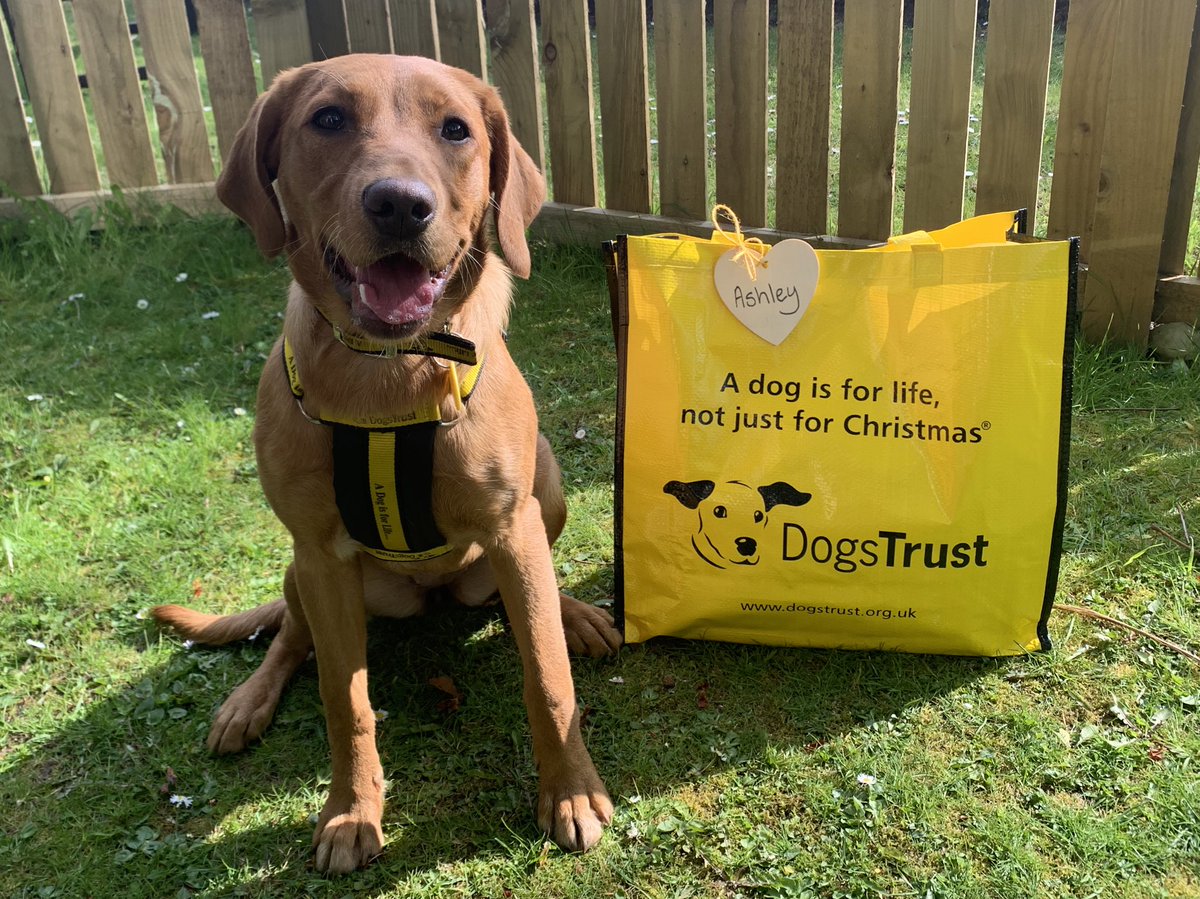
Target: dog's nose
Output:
[(747, 546), (399, 208)]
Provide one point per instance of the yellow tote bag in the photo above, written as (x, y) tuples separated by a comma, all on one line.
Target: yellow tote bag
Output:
[(890, 475)]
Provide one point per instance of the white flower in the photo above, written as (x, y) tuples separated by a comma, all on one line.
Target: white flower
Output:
[(866, 780), (180, 801), (381, 714), (179, 424), (143, 303), (181, 277), (210, 315), (35, 397), (616, 680), (254, 636), (580, 433), (188, 644), (76, 297), (141, 615), (239, 411), (36, 644)]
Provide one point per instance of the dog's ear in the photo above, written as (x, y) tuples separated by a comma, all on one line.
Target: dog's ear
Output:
[(517, 187), (781, 493), (690, 493), (246, 178)]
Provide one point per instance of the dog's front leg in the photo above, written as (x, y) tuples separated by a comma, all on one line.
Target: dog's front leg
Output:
[(573, 805), (349, 833)]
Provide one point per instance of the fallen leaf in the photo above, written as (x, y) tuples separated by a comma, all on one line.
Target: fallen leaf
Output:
[(1158, 752), (453, 699), (197, 589), (169, 786)]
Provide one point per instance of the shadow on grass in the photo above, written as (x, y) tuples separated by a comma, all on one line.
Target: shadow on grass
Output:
[(461, 781)]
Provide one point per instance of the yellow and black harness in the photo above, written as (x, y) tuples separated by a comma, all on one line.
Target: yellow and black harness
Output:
[(383, 466)]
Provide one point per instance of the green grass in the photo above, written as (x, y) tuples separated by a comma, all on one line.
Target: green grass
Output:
[(131, 481)]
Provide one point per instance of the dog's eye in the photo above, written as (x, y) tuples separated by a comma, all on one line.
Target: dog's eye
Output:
[(329, 118), (455, 130), (720, 512), (758, 517)]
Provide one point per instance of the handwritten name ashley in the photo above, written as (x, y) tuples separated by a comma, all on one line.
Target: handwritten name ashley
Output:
[(764, 293)]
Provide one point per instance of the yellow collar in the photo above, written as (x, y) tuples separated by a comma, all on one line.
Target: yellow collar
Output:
[(444, 345)]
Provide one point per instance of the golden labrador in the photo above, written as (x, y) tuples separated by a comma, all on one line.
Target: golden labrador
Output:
[(401, 458)]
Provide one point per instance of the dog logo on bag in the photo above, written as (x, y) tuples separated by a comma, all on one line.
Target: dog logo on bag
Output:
[(732, 516)]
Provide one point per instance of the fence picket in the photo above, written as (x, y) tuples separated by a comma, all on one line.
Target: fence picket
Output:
[(681, 76), (1087, 73), (740, 51), (44, 50), (802, 119), (1020, 36), (1183, 177), (624, 103), (460, 35), (225, 44), (870, 88), (512, 36), (368, 26), (163, 32), (18, 166), (415, 28), (567, 62), (1149, 68), (116, 92), (1127, 150), (281, 30), (327, 28), (942, 58)]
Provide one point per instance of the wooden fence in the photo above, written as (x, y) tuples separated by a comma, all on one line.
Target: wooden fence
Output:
[(1124, 162)]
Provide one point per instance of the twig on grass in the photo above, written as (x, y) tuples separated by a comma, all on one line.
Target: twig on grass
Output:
[(1188, 538), (1143, 409), (1163, 533), (1096, 616)]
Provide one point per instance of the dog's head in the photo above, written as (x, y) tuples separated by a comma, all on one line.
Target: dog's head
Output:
[(387, 167), (732, 516)]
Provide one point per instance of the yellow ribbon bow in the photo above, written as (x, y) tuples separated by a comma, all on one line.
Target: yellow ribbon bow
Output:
[(750, 250)]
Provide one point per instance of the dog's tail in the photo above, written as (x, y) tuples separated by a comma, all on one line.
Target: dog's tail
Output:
[(215, 630)]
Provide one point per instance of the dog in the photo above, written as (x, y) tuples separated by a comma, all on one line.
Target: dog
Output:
[(381, 178), (732, 517)]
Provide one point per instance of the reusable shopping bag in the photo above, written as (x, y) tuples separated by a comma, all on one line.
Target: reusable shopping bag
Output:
[(843, 448)]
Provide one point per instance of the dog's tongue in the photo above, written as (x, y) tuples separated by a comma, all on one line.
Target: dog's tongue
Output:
[(395, 290)]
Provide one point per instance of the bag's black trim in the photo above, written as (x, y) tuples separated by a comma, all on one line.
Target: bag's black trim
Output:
[(1064, 445), (617, 265)]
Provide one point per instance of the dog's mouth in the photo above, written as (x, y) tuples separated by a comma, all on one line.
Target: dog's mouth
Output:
[(393, 296)]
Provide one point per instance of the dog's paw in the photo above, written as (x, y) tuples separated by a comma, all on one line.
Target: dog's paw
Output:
[(347, 838), (590, 631), (574, 810), (242, 718)]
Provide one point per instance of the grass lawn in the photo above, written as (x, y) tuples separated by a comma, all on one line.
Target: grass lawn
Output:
[(127, 478)]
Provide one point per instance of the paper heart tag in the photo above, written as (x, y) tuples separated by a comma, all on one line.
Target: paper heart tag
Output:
[(772, 304)]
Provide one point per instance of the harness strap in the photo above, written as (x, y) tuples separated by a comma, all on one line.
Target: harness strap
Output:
[(383, 469)]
